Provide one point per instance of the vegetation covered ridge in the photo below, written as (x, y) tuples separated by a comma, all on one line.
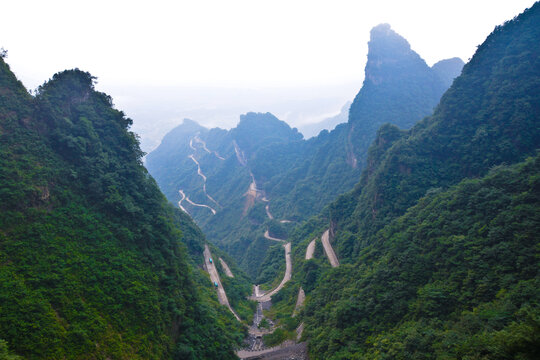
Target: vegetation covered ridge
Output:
[(437, 242), (93, 262)]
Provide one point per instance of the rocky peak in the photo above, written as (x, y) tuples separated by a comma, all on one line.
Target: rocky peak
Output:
[(389, 54)]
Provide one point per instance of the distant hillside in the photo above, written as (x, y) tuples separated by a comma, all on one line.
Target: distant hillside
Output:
[(294, 178), (93, 260), (448, 69), (311, 130), (212, 169)]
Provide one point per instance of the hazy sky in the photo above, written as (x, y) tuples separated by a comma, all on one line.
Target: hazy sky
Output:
[(294, 45)]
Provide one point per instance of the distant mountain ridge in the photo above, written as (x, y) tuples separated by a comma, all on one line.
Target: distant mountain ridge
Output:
[(448, 69), (313, 129), (263, 163)]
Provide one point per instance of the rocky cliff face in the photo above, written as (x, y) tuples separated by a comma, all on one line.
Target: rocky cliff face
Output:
[(399, 86), (388, 53)]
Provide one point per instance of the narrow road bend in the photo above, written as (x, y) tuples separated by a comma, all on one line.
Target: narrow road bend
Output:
[(267, 236), (286, 277), (325, 238)]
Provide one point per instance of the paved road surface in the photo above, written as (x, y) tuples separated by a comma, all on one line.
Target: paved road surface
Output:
[(299, 301), (199, 171), (325, 238), (228, 271), (180, 202), (198, 140), (268, 212), (267, 235), (310, 249), (200, 205), (214, 277), (287, 350)]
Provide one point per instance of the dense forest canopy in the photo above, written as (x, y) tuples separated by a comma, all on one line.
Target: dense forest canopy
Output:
[(411, 229), (93, 259), (438, 241)]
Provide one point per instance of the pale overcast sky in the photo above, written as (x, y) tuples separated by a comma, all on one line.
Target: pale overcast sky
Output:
[(281, 44)]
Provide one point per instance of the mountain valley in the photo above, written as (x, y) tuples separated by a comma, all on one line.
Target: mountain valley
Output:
[(406, 230)]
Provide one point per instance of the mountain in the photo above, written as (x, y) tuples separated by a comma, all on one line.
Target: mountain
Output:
[(94, 262), (264, 167), (311, 130), (448, 69), (208, 172), (399, 88), (437, 244)]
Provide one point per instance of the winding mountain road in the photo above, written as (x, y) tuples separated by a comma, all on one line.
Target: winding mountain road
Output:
[(288, 262), (200, 173), (287, 350), (186, 198), (286, 277), (180, 202), (267, 236), (198, 140), (267, 208), (214, 277), (325, 238)]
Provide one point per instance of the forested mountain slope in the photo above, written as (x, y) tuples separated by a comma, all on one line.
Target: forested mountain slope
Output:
[(455, 277), (438, 243), (488, 117), (228, 178), (212, 170), (92, 257)]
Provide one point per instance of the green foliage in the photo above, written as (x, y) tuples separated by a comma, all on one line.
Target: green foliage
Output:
[(277, 230), (488, 117), (92, 260), (286, 330), (273, 267), (277, 337), (4, 352), (438, 242), (264, 324), (257, 214), (455, 277)]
